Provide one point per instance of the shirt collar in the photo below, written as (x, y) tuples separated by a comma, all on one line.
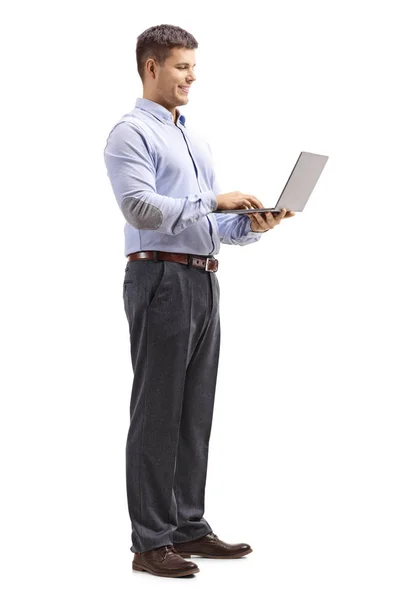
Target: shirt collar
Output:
[(159, 111)]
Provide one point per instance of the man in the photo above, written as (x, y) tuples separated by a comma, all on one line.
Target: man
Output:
[(163, 180)]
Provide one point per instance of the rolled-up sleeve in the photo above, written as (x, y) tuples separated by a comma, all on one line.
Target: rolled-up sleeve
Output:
[(130, 164)]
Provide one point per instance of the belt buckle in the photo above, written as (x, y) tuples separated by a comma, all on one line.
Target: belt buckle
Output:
[(207, 263)]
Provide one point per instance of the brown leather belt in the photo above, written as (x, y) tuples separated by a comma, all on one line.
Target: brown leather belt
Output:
[(208, 263)]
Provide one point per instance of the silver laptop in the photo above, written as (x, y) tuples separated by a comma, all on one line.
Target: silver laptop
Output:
[(298, 188)]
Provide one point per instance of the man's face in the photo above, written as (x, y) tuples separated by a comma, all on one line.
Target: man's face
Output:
[(178, 70)]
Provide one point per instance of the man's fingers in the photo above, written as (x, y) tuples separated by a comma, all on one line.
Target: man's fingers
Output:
[(270, 219), (259, 218), (254, 200)]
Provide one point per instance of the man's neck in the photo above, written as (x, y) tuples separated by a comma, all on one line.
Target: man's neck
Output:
[(175, 113)]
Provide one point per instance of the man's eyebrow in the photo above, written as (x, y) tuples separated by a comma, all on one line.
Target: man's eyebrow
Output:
[(184, 63)]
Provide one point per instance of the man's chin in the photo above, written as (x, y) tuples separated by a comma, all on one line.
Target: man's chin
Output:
[(183, 98)]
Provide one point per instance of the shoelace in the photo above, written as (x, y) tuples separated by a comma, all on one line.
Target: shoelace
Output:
[(168, 550)]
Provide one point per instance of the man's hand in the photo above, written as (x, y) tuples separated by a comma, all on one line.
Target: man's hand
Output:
[(234, 200), (261, 222)]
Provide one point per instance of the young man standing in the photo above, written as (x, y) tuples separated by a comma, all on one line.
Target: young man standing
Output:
[(163, 180)]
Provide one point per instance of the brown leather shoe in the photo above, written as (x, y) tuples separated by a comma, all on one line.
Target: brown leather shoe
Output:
[(164, 562), (210, 546)]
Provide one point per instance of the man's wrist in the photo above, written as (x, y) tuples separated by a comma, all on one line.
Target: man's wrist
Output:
[(265, 230)]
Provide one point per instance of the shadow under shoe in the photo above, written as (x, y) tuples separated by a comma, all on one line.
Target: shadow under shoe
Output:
[(164, 562)]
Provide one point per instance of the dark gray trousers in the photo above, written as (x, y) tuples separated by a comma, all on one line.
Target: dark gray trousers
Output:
[(173, 315)]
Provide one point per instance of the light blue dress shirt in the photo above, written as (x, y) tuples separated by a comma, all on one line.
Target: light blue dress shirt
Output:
[(163, 179)]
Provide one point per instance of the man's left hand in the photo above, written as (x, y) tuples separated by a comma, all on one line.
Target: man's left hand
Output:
[(261, 222)]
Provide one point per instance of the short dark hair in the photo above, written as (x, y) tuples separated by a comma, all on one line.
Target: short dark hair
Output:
[(157, 42)]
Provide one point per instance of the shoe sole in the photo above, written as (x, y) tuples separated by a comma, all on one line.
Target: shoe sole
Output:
[(203, 555), (177, 574)]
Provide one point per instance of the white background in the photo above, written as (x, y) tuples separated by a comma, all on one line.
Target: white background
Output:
[(304, 451)]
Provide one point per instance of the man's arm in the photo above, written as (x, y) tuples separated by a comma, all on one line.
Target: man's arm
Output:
[(130, 168), (233, 229)]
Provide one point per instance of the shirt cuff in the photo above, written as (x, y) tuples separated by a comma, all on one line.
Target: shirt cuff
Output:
[(210, 199)]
